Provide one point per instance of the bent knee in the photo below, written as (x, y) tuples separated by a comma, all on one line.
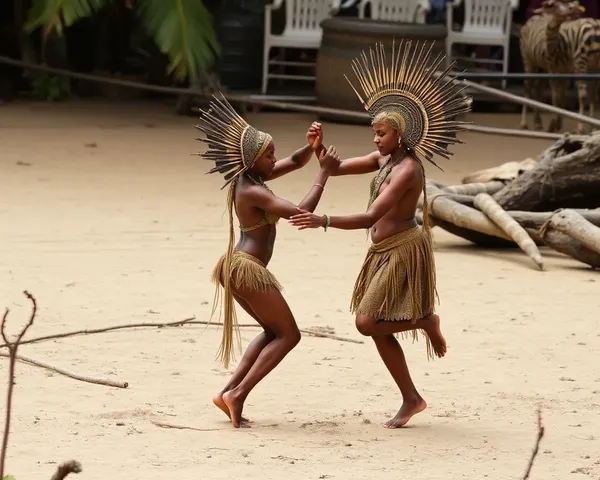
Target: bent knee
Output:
[(293, 338), (364, 325)]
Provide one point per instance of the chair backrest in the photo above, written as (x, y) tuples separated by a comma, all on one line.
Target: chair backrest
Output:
[(486, 15), (405, 11), (305, 16)]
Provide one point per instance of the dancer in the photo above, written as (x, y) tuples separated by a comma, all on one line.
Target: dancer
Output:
[(246, 157), (412, 118)]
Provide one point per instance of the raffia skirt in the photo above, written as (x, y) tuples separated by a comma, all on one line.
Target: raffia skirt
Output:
[(397, 281), (239, 271)]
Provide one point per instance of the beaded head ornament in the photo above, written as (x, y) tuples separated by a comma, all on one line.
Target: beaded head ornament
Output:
[(406, 94), (233, 144)]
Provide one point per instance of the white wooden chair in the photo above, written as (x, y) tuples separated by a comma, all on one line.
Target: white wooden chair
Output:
[(405, 11), (302, 30), (487, 22)]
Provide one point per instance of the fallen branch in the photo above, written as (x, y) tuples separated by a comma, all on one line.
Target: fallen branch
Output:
[(536, 448), (12, 355), (565, 244), (72, 466), (475, 188), (187, 321), (37, 363), (577, 227), (485, 203)]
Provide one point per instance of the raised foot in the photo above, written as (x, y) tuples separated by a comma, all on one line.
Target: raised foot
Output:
[(235, 406), (434, 332), (408, 409), (220, 403)]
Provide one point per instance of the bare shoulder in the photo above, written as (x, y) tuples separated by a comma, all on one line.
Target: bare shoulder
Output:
[(408, 169)]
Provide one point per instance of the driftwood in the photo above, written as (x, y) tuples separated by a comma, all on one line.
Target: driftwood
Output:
[(567, 245), (505, 172), (496, 214), (538, 219), (475, 188), (481, 239), (536, 448), (459, 215), (577, 227), (74, 376), (567, 176)]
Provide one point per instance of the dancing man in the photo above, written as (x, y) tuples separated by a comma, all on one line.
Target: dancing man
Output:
[(246, 158), (412, 116)]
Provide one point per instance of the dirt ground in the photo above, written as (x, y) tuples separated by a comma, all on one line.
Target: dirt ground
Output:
[(107, 219)]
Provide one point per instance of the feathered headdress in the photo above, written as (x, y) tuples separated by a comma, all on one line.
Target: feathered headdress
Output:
[(407, 94), (233, 144)]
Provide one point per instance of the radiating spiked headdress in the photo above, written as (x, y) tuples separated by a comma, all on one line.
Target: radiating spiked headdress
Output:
[(233, 144), (407, 94)]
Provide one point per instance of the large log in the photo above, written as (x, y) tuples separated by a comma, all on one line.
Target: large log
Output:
[(443, 208), (567, 176), (565, 244), (573, 224), (496, 214), (538, 219)]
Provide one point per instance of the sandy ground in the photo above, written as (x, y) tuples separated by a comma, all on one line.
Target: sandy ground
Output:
[(107, 219)]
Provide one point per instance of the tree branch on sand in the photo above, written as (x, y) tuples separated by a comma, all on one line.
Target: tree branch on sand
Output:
[(63, 469)]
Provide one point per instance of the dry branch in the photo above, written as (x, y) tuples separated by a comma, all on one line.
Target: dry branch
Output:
[(536, 448), (440, 206), (187, 321), (564, 244), (74, 376), (567, 176), (538, 219), (475, 188), (12, 354), (577, 227), (494, 212), (64, 469)]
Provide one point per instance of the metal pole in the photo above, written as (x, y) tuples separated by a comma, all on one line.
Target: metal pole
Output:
[(349, 114), (530, 103), (251, 100), (520, 76)]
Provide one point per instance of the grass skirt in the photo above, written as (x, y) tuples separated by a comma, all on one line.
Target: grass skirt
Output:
[(238, 271), (397, 281)]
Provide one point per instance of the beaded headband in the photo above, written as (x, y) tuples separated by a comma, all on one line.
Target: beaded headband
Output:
[(406, 94), (233, 144)]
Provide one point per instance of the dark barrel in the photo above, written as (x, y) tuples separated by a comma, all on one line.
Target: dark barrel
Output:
[(344, 39), (240, 33)]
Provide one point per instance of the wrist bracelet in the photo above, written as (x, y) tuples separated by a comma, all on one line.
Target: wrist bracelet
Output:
[(328, 222), (319, 185)]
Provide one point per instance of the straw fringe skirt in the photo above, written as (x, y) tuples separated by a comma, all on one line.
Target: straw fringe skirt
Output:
[(239, 271), (397, 281)]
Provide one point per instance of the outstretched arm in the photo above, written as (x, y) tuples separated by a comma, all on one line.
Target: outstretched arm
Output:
[(297, 160), (399, 185), (265, 200), (270, 203), (356, 165)]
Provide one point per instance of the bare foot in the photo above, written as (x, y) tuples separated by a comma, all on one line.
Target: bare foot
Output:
[(406, 412), (434, 333), (218, 401), (235, 407)]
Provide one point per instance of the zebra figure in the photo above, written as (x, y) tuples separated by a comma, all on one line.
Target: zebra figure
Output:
[(570, 43)]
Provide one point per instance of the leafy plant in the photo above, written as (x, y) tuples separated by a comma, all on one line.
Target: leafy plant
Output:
[(50, 87), (8, 477), (182, 29)]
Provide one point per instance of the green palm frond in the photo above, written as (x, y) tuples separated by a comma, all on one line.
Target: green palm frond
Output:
[(183, 30), (57, 14)]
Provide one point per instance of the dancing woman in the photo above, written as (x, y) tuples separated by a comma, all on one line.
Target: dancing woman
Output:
[(412, 118), (246, 158)]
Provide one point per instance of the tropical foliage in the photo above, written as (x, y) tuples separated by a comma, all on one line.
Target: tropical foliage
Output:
[(182, 29)]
